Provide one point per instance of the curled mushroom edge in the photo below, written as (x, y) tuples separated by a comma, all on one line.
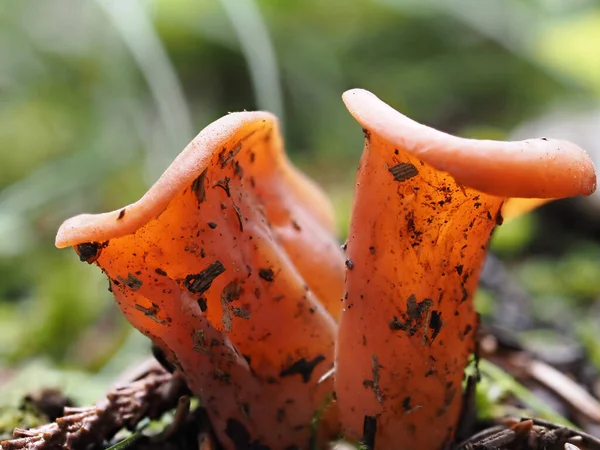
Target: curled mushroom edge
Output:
[(229, 263)]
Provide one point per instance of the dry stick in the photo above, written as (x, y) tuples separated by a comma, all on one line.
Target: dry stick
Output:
[(544, 434), (570, 391), (150, 394)]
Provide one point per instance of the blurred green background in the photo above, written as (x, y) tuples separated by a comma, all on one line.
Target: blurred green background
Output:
[(97, 97)]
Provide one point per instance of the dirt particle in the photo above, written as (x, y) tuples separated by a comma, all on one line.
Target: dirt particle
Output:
[(199, 187), (232, 291), (227, 316), (303, 368), (121, 214), (212, 225), (242, 313), (132, 282), (89, 252), (151, 312), (224, 184), (238, 214), (238, 170), (226, 156), (160, 272), (349, 264), (414, 309), (463, 287), (435, 324), (369, 432), (450, 393), (462, 335), (499, 219), (413, 319), (374, 383), (396, 325), (199, 342), (403, 171), (267, 274), (200, 282), (203, 304), (406, 404)]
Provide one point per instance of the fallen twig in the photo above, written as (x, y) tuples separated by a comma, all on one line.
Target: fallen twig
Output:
[(149, 394)]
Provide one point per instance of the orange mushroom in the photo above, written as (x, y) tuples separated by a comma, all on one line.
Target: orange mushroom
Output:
[(425, 206), (229, 264)]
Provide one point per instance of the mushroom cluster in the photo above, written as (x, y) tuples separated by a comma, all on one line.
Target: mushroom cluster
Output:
[(229, 263)]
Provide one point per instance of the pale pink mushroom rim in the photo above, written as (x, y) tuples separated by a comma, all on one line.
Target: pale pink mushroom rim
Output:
[(533, 168), (186, 167)]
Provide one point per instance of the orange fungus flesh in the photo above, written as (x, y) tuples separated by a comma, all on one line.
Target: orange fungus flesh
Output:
[(515, 207), (229, 264), (425, 206)]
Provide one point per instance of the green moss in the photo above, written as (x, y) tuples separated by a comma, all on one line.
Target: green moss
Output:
[(12, 417), (510, 238), (484, 302), (575, 276)]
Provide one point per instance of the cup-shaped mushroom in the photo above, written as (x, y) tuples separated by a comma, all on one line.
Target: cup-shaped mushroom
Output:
[(229, 264), (425, 206)]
